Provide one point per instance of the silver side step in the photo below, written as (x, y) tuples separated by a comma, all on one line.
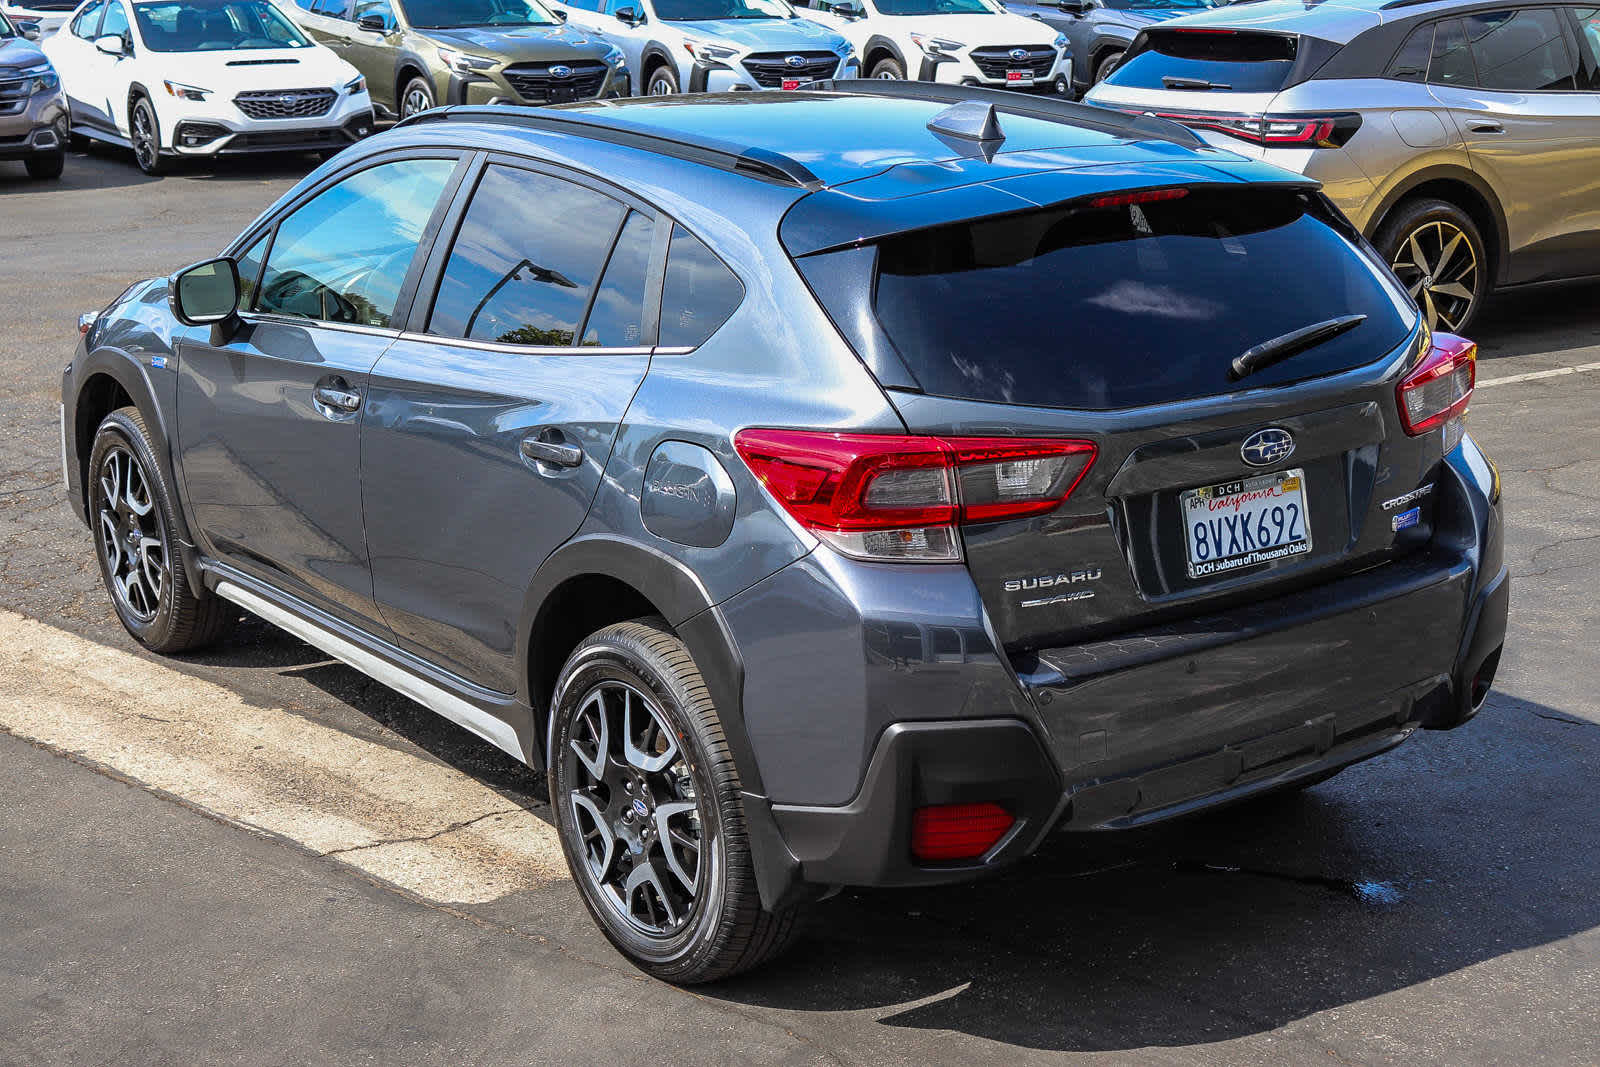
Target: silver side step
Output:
[(452, 707)]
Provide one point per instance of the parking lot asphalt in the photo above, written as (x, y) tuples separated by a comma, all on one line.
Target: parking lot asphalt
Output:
[(256, 855)]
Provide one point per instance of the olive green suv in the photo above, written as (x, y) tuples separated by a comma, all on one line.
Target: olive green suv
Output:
[(416, 54)]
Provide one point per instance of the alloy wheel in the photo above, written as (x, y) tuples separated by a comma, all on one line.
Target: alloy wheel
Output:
[(635, 810), (415, 103), (1439, 268), (131, 542), (145, 148), (887, 75), (662, 87)]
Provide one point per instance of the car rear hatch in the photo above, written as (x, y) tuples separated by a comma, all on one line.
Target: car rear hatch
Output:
[(1115, 318)]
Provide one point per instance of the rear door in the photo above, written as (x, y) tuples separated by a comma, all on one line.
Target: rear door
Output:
[(1151, 299), (1511, 79), (488, 424)]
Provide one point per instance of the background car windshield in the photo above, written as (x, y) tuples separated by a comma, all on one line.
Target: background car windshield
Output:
[(450, 14), (935, 7), (706, 10), (6, 29), (215, 26), (1150, 302)]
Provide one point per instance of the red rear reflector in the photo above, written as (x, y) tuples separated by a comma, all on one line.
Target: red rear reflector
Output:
[(1439, 388), (894, 497), (1147, 196), (957, 831)]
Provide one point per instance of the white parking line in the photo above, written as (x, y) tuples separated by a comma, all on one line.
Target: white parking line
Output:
[(1484, 383), (407, 820)]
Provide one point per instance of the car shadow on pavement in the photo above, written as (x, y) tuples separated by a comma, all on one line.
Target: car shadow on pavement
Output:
[(1538, 319), (1455, 849), (102, 166)]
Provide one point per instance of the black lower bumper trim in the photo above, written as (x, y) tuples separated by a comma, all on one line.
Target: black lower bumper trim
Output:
[(868, 841)]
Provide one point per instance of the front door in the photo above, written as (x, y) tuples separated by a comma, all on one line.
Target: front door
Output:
[(483, 444), (270, 418)]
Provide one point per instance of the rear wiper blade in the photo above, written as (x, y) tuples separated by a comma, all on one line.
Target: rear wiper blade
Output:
[(1293, 343), (1173, 82)]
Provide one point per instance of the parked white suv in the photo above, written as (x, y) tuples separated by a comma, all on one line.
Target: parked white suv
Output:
[(48, 15), (716, 45), (203, 78), (960, 42)]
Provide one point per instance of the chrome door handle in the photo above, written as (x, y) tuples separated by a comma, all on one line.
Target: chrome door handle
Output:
[(343, 401), (1486, 127), (556, 453)]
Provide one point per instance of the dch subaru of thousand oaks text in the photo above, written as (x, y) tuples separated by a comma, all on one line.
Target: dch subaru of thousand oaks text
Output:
[(849, 486)]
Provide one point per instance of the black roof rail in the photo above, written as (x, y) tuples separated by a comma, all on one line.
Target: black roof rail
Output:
[(761, 163), (1392, 4), (1136, 127)]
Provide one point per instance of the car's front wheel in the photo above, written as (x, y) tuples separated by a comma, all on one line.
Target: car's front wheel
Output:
[(43, 168), (663, 82), (1437, 252), (888, 69), (132, 514), (146, 130), (646, 797), (1103, 69), (416, 98)]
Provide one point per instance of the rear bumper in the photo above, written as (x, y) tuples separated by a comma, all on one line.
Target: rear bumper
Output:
[(1159, 724)]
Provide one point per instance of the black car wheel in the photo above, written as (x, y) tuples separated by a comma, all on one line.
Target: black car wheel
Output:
[(43, 168), (131, 510), (646, 797), (1103, 69), (146, 138), (416, 98), (1437, 252), (889, 69), (663, 82)]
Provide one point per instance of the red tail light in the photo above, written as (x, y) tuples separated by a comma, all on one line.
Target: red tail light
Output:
[(957, 831), (891, 497), (1278, 131), (1439, 388), (1147, 196)]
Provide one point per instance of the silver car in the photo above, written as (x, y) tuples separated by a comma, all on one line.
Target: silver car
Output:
[(1462, 138)]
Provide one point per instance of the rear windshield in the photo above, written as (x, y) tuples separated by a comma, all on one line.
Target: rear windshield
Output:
[(1216, 61), (1120, 306)]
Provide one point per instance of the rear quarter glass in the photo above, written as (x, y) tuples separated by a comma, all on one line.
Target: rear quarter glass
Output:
[(1149, 302)]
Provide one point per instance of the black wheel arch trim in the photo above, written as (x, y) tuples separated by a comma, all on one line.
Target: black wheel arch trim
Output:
[(877, 43), (1500, 253)]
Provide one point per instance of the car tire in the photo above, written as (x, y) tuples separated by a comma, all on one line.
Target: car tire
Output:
[(43, 168), (1437, 251), (644, 787), (889, 69), (145, 134), (1107, 64), (416, 97), (663, 82), (131, 509)]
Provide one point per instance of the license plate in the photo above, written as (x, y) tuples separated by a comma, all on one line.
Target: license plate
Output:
[(1245, 523), (791, 84), (1019, 77)]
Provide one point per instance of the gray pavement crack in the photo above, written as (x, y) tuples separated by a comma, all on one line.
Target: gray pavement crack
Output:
[(28, 489), (1565, 720), (452, 828)]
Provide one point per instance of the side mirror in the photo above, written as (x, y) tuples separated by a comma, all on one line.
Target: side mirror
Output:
[(848, 11), (374, 23), (628, 15), (111, 45), (1074, 7), (205, 294), (561, 16), (29, 30)]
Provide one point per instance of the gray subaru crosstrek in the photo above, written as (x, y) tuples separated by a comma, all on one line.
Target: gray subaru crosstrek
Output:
[(843, 487)]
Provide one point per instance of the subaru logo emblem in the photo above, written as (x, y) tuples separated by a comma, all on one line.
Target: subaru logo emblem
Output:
[(640, 808), (1019, 54), (560, 71), (289, 98), (1266, 447), (795, 61)]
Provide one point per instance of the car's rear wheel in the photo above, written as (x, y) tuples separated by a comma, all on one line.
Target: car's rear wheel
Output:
[(146, 130), (663, 82), (889, 69), (1437, 252), (1103, 69), (416, 98), (43, 168), (132, 513), (646, 797)]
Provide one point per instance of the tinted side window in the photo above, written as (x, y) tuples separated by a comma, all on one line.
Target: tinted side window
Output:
[(115, 24), (1589, 41), (87, 22), (698, 295), (1452, 56), (617, 318), (380, 8), (1521, 50), (333, 9), (529, 250), (343, 256), (1410, 64)]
